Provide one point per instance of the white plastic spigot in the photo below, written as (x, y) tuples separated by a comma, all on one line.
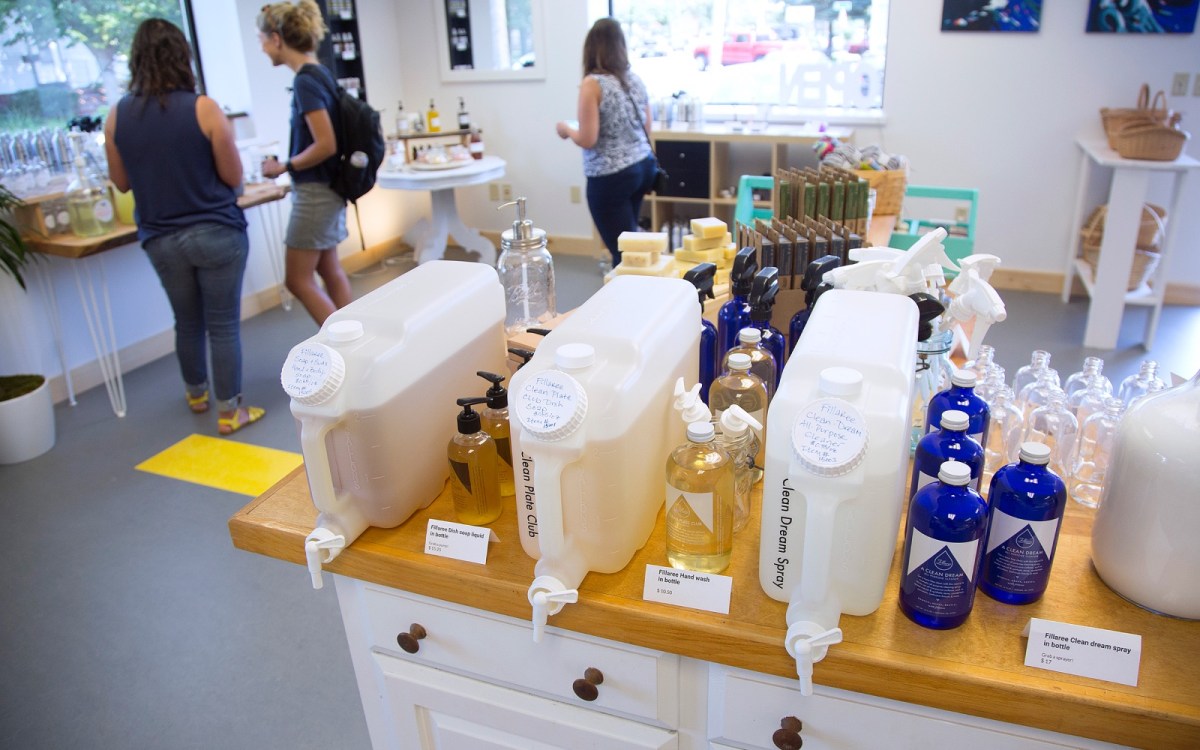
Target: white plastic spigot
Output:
[(808, 643), (689, 404), (547, 594), (320, 546)]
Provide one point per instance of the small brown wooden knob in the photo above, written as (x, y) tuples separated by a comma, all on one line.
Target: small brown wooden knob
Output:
[(585, 687), (787, 737), (408, 641)]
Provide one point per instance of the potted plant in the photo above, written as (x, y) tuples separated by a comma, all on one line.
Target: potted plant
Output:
[(26, 408)]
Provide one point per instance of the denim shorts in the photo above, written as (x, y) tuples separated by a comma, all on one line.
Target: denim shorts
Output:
[(318, 220)]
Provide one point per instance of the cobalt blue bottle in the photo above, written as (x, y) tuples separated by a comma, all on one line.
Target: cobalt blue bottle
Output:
[(701, 276), (762, 301), (1026, 503), (813, 288), (943, 541), (734, 315), (950, 443), (960, 395)]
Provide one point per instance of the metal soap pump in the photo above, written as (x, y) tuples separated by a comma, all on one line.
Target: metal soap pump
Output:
[(527, 274)]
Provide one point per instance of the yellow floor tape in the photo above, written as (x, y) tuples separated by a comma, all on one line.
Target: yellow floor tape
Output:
[(223, 464)]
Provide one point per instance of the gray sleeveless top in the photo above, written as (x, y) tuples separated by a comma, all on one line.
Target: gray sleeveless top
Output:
[(622, 140)]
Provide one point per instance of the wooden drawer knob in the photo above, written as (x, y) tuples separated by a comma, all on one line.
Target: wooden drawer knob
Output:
[(408, 641), (585, 687), (787, 737)]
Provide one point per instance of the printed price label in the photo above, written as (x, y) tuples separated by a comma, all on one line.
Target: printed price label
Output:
[(458, 541), (1083, 651), (683, 588)]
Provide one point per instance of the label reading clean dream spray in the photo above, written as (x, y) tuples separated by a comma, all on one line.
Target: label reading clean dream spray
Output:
[(1017, 559), (785, 522)]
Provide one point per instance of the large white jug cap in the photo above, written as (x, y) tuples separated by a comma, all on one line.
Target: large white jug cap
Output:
[(344, 330), (841, 381), (575, 356), (551, 404), (312, 373), (829, 437)]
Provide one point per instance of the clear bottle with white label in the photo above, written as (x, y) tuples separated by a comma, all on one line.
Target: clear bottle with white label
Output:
[(1026, 503), (700, 501), (947, 521)]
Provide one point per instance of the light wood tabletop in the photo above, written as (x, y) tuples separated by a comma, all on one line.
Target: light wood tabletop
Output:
[(977, 668)]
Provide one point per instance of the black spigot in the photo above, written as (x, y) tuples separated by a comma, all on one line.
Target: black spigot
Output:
[(524, 354), (701, 276), (762, 294), (815, 273), (468, 420), (745, 265)]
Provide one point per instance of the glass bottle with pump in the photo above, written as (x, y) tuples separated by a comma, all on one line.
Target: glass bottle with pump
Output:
[(527, 274), (464, 119), (700, 500), (473, 480), (734, 315), (740, 441), (762, 363), (947, 521), (1026, 503), (701, 276), (89, 203), (402, 123), (496, 424), (741, 387), (762, 301), (433, 120), (950, 443)]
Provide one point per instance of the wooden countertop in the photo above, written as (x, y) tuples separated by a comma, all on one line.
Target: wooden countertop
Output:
[(976, 669), (70, 246)]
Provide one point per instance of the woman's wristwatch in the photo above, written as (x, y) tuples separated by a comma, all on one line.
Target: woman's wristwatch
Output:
[(287, 167)]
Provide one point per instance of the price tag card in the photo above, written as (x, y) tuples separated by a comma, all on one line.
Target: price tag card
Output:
[(683, 588), (1083, 651), (458, 541)]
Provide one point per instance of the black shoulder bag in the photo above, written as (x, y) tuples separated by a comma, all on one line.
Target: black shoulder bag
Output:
[(662, 180)]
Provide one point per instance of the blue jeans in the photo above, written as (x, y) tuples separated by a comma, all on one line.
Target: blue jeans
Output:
[(201, 270), (615, 201)]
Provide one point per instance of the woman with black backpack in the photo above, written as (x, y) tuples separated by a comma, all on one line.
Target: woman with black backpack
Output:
[(289, 34)]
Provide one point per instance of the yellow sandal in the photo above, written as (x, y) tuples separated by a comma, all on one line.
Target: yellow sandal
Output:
[(245, 415), (198, 404)]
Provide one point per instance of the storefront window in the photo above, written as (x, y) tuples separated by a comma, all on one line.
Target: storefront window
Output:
[(770, 58), (65, 59)]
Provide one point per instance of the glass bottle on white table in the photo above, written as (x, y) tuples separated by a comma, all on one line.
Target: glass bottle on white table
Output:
[(1039, 362), (526, 273), (1092, 457), (1054, 425), (1092, 367), (1086, 401), (1004, 433)]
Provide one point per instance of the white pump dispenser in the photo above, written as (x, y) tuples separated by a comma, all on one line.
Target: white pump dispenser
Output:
[(976, 299), (837, 445), (885, 269), (688, 403)]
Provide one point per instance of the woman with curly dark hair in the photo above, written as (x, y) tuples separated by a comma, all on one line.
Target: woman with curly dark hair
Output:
[(176, 150)]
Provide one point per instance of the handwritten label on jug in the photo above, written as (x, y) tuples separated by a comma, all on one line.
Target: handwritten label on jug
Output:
[(308, 366), (458, 541), (1083, 651), (548, 401), (684, 588), (829, 432)]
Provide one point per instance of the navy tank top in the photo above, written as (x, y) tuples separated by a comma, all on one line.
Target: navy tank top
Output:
[(170, 166)]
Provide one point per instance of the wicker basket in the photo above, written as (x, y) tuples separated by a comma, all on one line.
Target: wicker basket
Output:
[(1151, 141), (1144, 263), (1115, 118), (888, 185), (1151, 229)]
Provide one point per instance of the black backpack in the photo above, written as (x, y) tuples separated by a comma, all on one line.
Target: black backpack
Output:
[(361, 147)]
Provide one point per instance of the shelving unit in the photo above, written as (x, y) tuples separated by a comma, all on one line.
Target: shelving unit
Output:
[(706, 160), (341, 49)]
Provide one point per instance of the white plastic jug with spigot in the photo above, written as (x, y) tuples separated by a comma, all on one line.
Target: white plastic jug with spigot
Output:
[(836, 464), (373, 393), (592, 425)]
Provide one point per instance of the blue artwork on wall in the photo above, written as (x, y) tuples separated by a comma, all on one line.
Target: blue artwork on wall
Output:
[(1142, 16), (991, 15)]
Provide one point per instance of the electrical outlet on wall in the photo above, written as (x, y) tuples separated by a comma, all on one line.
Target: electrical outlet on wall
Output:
[(1196, 85), (1179, 84), (506, 192), (576, 194), (493, 191)]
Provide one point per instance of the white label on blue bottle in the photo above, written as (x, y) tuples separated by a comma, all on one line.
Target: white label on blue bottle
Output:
[(701, 503), (940, 574), (1017, 558)]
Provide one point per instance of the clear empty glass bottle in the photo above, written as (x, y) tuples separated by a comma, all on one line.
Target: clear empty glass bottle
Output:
[(1088, 400), (1039, 362), (1037, 394), (1141, 383), (992, 381), (762, 362), (1092, 457), (1054, 425), (700, 501), (982, 363), (527, 274), (1004, 434), (89, 202), (1092, 367)]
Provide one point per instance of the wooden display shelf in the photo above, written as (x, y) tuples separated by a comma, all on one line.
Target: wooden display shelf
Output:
[(977, 668)]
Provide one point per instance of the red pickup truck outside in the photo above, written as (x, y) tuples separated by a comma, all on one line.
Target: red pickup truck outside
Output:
[(742, 47)]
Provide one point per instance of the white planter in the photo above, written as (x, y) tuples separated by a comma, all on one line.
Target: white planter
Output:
[(26, 426)]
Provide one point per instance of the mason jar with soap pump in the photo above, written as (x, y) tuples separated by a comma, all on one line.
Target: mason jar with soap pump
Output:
[(527, 273)]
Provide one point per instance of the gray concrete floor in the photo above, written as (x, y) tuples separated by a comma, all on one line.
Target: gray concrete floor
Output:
[(130, 621)]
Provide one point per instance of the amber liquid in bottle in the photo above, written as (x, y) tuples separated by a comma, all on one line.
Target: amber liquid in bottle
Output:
[(473, 481), (495, 424), (705, 472)]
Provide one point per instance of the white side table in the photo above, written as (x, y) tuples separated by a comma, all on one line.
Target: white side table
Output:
[(428, 237), (1126, 194)]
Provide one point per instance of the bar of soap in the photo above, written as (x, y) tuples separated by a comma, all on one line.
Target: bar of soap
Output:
[(643, 242), (663, 267), (696, 242), (639, 259), (709, 227), (715, 255)]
